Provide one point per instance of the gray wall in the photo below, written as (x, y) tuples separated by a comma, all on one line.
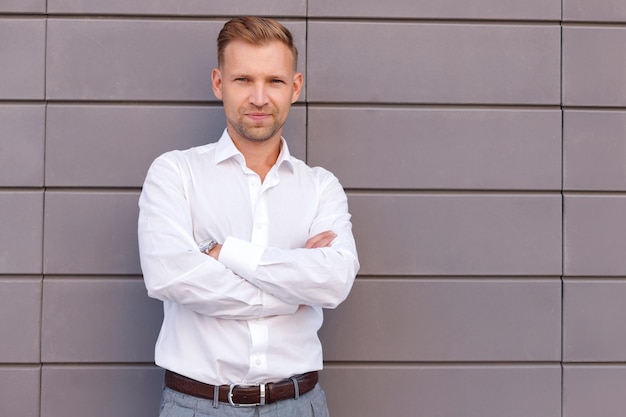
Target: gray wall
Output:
[(483, 148)]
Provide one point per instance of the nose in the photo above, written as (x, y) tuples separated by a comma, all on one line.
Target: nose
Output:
[(259, 95)]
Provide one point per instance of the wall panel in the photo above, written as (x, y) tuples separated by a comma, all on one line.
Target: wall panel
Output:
[(446, 321), (188, 7), (22, 67), (20, 320), (436, 148), (456, 234), (594, 328), (79, 324), (593, 66), (444, 390), (19, 395), (594, 10), (91, 233), (100, 391), (23, 6), (21, 228), (594, 390), (431, 63), (439, 9), (133, 60), (122, 60), (594, 235), (22, 145), (590, 136)]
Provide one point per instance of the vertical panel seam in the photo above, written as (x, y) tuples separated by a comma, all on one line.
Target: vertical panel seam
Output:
[(306, 89), (43, 212), (562, 215)]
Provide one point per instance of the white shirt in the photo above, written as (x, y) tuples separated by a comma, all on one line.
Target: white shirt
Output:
[(252, 316)]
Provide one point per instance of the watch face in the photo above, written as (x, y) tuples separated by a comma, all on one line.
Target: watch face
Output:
[(207, 245)]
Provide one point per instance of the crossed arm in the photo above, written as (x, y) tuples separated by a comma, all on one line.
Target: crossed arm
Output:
[(273, 281), (320, 240)]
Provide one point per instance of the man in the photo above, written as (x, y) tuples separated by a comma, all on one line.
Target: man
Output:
[(245, 245)]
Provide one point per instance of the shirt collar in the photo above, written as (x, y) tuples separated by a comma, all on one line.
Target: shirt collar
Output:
[(226, 149)]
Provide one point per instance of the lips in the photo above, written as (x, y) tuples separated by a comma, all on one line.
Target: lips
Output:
[(258, 116)]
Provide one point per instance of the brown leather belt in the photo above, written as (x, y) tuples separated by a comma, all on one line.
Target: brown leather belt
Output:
[(244, 394)]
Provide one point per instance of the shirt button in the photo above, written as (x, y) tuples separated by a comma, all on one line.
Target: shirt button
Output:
[(258, 362)]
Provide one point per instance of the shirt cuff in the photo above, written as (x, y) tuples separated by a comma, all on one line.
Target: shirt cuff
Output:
[(241, 257)]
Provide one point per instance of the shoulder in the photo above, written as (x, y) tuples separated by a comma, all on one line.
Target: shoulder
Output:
[(320, 175), (179, 165), (183, 157)]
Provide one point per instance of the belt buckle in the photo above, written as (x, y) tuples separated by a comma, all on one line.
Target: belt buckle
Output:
[(261, 396)]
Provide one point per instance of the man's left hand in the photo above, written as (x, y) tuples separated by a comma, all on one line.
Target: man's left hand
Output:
[(320, 240)]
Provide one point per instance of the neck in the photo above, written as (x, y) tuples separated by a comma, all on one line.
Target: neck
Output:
[(260, 156)]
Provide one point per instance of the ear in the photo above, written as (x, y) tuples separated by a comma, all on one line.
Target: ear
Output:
[(298, 80), (216, 82)]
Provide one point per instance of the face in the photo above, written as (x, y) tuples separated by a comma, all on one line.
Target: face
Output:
[(257, 85)]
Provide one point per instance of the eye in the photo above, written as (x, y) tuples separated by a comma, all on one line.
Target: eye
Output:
[(241, 79)]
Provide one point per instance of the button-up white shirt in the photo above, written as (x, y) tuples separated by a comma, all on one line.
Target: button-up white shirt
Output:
[(252, 316)]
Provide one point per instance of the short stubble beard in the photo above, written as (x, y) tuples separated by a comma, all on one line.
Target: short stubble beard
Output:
[(256, 133)]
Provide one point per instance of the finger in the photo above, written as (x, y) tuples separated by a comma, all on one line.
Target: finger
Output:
[(318, 238), (311, 242), (321, 240), (324, 243)]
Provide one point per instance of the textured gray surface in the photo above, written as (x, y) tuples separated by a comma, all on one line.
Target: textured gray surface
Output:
[(594, 328), (400, 327), (79, 324), (100, 390), (433, 148), (445, 390), (594, 390), (22, 48), (22, 145), (439, 9), (21, 228), (188, 7), (594, 235), (20, 317), (91, 233), (593, 66), (596, 11), (119, 59), (594, 150), (509, 234), (430, 63), (20, 391)]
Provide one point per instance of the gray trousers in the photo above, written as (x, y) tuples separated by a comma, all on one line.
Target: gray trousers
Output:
[(175, 404)]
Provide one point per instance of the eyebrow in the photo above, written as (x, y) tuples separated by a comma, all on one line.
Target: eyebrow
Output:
[(269, 77)]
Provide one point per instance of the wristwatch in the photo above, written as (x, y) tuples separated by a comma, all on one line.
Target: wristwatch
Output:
[(206, 246)]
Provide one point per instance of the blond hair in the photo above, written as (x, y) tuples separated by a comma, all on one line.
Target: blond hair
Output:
[(255, 31)]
